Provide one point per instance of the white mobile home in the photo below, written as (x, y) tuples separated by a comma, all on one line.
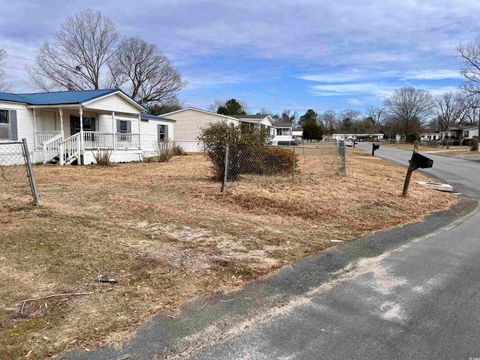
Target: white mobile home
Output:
[(189, 123), (283, 133), (70, 126)]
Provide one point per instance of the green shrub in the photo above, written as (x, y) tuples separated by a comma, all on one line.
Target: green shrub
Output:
[(411, 138)]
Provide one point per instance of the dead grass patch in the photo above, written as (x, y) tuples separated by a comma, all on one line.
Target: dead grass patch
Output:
[(167, 235)]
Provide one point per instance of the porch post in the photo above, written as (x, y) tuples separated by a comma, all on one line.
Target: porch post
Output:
[(62, 149), (82, 152), (139, 128), (60, 111), (34, 129), (114, 131)]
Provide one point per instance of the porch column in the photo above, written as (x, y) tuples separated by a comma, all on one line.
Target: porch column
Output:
[(82, 160), (139, 129), (62, 149), (34, 129), (114, 131), (60, 112)]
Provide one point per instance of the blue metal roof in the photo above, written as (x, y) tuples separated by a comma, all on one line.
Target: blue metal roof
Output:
[(156, 117), (57, 97)]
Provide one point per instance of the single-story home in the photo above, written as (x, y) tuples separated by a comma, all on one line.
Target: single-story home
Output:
[(429, 136), (297, 133), (470, 132), (189, 123), (262, 121), (283, 133), (70, 126)]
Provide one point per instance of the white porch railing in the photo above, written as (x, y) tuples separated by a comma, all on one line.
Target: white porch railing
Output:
[(118, 141), (70, 148), (98, 140), (127, 141), (51, 148), (67, 150), (43, 136)]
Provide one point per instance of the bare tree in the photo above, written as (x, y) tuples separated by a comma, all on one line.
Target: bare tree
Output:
[(289, 116), (472, 103), (141, 70), (377, 114), (329, 120), (78, 57), (450, 110), (3, 56), (408, 108), (470, 69)]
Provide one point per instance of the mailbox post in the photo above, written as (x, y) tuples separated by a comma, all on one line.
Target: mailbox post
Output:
[(375, 147), (417, 161)]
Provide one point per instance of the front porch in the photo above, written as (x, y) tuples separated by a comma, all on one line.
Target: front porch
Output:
[(66, 135)]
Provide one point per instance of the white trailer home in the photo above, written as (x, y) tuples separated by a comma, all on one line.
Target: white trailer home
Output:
[(189, 123), (70, 126)]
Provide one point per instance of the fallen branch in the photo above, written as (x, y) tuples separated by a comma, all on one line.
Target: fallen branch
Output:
[(24, 302), (124, 357)]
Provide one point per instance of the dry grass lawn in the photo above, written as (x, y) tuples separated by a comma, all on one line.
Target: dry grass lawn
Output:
[(167, 235)]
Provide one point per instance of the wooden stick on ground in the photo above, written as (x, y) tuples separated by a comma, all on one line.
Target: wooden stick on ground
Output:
[(24, 302)]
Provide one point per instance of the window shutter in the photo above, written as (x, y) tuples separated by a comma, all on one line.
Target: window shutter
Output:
[(118, 126), (12, 114), (166, 132), (129, 127)]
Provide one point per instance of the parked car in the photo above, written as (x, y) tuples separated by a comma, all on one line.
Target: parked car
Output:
[(350, 142)]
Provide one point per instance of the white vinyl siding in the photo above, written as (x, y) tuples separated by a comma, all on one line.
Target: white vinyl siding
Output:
[(189, 123), (114, 103)]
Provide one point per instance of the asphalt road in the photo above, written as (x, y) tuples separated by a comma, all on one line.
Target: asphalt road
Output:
[(421, 301)]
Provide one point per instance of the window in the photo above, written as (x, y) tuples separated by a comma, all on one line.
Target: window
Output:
[(283, 131), (162, 133), (123, 126), (88, 124), (4, 125)]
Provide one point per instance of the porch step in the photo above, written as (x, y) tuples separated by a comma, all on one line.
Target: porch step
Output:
[(56, 160)]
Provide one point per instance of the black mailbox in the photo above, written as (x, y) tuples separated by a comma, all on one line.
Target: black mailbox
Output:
[(420, 161), (374, 148)]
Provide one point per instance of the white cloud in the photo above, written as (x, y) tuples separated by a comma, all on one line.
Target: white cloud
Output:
[(432, 75)]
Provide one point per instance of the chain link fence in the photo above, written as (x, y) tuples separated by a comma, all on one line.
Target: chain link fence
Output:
[(249, 163), (17, 181)]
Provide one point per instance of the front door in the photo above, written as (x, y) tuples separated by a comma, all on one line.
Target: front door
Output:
[(88, 124)]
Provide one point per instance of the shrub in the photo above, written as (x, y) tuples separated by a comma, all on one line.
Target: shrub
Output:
[(411, 138), (164, 151), (102, 157), (216, 136), (474, 145), (266, 160), (178, 150)]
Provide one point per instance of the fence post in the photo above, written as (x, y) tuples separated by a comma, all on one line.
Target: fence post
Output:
[(31, 177), (342, 151), (294, 162), (225, 171)]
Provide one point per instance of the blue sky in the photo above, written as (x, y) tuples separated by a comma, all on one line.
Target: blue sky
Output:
[(273, 54)]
